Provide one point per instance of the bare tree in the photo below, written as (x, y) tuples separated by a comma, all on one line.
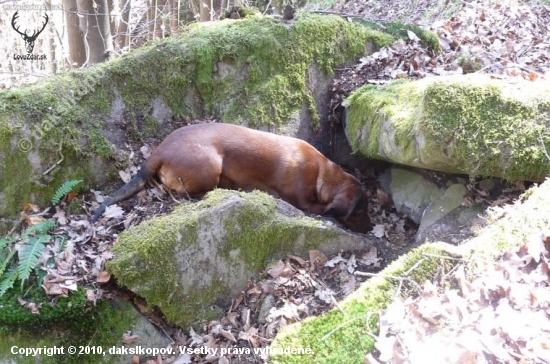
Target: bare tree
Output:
[(205, 7), (153, 30), (95, 25), (77, 50), (123, 35), (174, 6)]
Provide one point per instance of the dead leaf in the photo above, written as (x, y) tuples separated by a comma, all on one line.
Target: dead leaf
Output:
[(280, 269), (125, 176), (59, 216), (379, 230), (30, 207), (91, 296), (32, 219), (129, 338), (103, 277), (113, 211), (317, 259)]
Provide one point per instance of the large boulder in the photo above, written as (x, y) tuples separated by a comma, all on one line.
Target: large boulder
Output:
[(256, 71), (203, 253), (471, 124), (436, 208), (347, 331)]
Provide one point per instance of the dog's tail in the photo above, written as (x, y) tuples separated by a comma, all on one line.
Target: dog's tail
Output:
[(135, 185)]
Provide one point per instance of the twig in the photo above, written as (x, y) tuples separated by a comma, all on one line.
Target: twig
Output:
[(400, 279), (58, 162), (344, 324), (90, 342), (543, 146), (21, 220), (444, 257), (346, 15), (336, 304), (414, 266), (16, 226), (367, 274)]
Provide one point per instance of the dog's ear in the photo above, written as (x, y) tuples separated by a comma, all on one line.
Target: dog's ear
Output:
[(341, 207)]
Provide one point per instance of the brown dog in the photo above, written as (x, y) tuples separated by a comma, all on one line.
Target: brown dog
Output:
[(196, 159)]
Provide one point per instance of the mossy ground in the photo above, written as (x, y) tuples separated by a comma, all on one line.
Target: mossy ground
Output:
[(346, 332), (508, 228), (62, 322), (146, 255), (254, 69), (480, 124), (399, 31)]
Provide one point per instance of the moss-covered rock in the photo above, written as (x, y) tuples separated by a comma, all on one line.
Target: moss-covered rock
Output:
[(461, 124), (346, 332), (257, 71), (204, 253), (72, 321)]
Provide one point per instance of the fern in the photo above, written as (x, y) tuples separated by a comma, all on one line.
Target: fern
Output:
[(6, 241), (8, 281), (6, 261), (29, 255), (39, 229), (65, 188), (33, 244)]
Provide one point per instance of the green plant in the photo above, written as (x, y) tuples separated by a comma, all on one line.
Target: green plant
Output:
[(33, 242), (65, 188)]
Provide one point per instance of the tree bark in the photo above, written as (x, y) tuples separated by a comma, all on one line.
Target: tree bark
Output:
[(174, 6), (123, 36), (152, 20), (75, 38), (114, 17), (204, 10), (95, 24)]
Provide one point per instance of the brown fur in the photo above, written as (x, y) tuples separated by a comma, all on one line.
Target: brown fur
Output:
[(196, 159)]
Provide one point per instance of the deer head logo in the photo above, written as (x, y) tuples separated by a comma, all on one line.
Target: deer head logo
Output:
[(29, 39)]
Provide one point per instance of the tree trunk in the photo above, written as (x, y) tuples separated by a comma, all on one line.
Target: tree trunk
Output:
[(205, 10), (77, 50), (95, 24), (114, 20), (152, 20), (123, 36), (174, 6), (194, 7)]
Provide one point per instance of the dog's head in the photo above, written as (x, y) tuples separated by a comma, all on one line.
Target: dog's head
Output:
[(351, 207), (358, 219)]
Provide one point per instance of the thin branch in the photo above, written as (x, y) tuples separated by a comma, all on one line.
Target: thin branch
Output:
[(56, 163)]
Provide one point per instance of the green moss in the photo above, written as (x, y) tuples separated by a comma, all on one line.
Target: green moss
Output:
[(371, 105), (143, 256), (344, 332), (480, 126), (477, 123), (151, 258), (399, 31), (81, 325), (527, 220), (258, 241), (20, 184), (69, 308), (253, 69)]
